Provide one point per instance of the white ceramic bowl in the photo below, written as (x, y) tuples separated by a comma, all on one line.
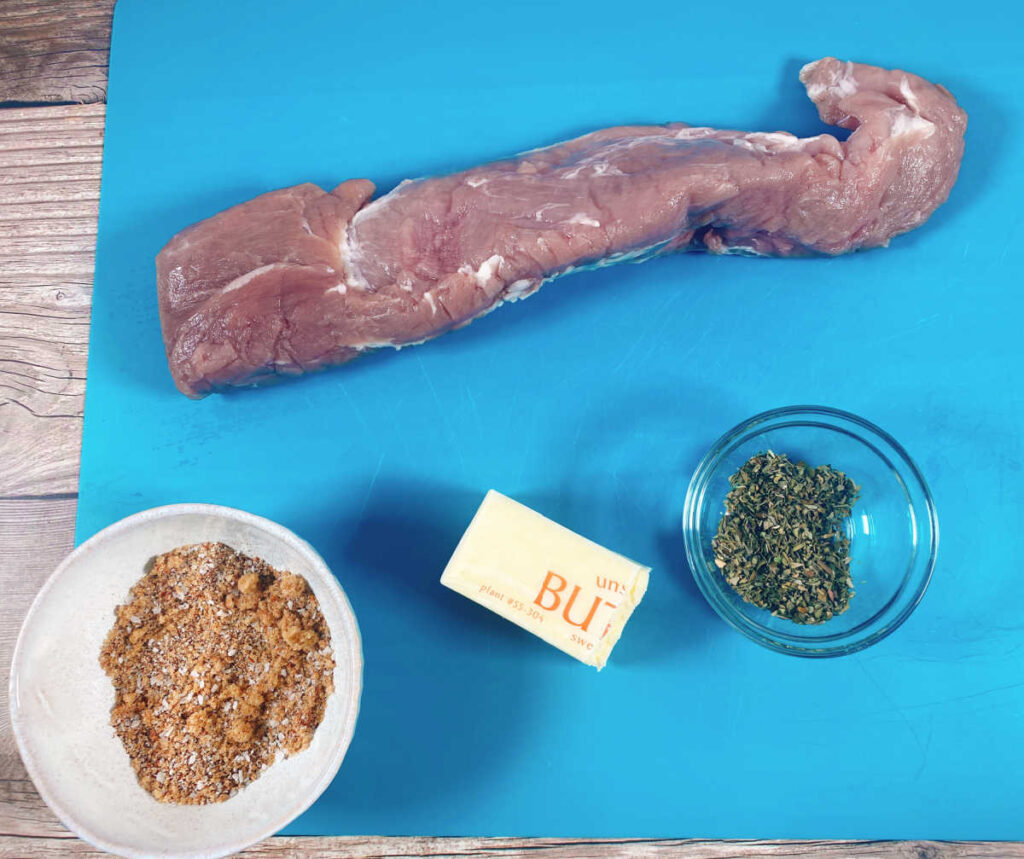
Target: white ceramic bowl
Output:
[(61, 698)]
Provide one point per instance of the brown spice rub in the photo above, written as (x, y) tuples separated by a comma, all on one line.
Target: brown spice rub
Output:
[(219, 663)]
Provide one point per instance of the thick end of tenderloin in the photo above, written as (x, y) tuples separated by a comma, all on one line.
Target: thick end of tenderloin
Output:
[(234, 288)]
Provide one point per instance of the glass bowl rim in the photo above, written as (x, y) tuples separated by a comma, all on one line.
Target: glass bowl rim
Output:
[(695, 502)]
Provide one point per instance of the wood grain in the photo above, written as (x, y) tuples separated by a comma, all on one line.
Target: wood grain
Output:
[(34, 535), (50, 162), (54, 51), (544, 848), (23, 814), (49, 195)]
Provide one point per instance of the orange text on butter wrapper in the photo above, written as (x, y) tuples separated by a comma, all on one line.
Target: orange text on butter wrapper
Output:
[(553, 592)]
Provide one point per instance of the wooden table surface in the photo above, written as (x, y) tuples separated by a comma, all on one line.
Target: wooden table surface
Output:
[(53, 72)]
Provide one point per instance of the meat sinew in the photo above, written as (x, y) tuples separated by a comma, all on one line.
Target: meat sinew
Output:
[(299, 278)]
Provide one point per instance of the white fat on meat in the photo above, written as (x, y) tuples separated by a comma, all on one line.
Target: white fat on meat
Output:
[(347, 255), (487, 271), (908, 95), (843, 82), (694, 133), (600, 166), (520, 289), (547, 207), (905, 124), (250, 276), (769, 142)]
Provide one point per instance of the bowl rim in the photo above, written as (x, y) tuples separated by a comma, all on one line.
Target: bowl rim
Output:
[(695, 500), (355, 656)]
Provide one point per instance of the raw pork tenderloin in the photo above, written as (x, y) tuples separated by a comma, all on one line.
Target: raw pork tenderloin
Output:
[(298, 279)]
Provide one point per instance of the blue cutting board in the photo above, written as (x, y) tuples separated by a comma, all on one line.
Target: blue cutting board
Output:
[(592, 402)]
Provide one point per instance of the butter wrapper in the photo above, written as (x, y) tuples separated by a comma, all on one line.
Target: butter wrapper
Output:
[(564, 588)]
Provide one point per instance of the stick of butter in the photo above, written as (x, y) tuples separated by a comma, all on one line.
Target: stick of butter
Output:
[(554, 583)]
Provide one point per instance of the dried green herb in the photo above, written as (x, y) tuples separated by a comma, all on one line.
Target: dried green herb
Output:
[(780, 544)]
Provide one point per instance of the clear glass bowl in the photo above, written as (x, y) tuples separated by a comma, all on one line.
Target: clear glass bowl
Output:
[(893, 529)]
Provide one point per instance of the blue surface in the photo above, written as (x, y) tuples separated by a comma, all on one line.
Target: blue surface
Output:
[(592, 402)]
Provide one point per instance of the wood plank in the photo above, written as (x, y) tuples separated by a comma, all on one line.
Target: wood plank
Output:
[(49, 51), (23, 814), (557, 848), (35, 536), (50, 161), (544, 848), (47, 240), (54, 51)]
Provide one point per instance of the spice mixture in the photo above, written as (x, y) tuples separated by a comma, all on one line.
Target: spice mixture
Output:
[(780, 544), (219, 663)]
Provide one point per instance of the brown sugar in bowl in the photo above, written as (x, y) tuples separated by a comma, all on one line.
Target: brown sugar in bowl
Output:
[(61, 698)]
